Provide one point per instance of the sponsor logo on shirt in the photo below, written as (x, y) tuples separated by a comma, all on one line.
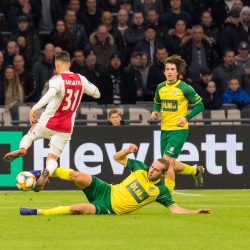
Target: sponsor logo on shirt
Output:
[(169, 105), (137, 191)]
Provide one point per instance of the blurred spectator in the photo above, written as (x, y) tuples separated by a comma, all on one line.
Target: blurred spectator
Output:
[(195, 9), (201, 85), (122, 21), (51, 11), (115, 118), (234, 94), (149, 44), (43, 69), (46, 85), (177, 37), (2, 71), (107, 20), (220, 11), (120, 87), (78, 32), (58, 49), (92, 71), (245, 18), (228, 70), (102, 43), (198, 54), (174, 14), (93, 16), (211, 98), (238, 5), (144, 69), (29, 43), (14, 94), (110, 5), (233, 33), (61, 37), (127, 5), (135, 32), (210, 30), (132, 72), (156, 71), (243, 59), (144, 5), (26, 79), (78, 62), (23, 7), (12, 50)]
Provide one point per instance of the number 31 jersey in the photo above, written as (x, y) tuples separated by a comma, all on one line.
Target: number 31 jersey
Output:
[(60, 112)]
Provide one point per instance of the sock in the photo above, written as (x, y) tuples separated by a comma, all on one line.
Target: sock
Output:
[(25, 142), (170, 185), (36, 173), (56, 210), (51, 165), (62, 173), (188, 170)]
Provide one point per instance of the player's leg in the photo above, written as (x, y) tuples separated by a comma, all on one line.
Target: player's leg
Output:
[(82, 208), (25, 143)]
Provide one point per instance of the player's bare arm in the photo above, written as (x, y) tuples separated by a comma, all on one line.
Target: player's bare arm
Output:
[(121, 156), (181, 122), (175, 209), (154, 115)]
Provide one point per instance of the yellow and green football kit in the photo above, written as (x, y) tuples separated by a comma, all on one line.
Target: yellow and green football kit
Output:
[(173, 100)]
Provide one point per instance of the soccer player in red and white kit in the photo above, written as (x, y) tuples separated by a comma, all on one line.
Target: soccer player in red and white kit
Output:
[(57, 121)]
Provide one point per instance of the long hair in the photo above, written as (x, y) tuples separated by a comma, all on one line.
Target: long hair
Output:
[(179, 63), (14, 82), (66, 34)]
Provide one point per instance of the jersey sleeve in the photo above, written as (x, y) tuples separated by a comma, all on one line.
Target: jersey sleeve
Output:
[(191, 95), (164, 197), (55, 82), (135, 165), (89, 88), (157, 98)]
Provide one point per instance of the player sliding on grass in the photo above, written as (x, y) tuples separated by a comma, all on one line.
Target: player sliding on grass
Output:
[(173, 97), (57, 121), (143, 186)]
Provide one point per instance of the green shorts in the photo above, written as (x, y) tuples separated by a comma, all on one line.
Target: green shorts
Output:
[(172, 142), (99, 194)]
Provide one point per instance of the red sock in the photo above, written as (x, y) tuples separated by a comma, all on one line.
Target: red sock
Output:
[(24, 150)]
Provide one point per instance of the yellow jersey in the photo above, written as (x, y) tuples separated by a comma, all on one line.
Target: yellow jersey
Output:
[(174, 100), (137, 190)]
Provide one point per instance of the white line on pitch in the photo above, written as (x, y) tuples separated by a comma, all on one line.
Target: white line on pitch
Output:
[(187, 194)]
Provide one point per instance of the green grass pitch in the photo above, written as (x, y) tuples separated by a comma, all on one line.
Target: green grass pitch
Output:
[(152, 227)]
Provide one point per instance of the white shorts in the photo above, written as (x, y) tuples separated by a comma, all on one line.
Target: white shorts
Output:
[(58, 139)]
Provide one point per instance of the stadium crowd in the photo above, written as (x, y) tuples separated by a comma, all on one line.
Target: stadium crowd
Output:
[(121, 46)]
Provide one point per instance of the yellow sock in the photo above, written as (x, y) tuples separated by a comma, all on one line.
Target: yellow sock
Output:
[(188, 170), (62, 173), (170, 185), (56, 210)]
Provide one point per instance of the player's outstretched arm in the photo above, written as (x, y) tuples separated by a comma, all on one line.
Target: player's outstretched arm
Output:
[(175, 209), (121, 156)]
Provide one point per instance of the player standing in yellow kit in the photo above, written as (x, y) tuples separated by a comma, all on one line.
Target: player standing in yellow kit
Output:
[(172, 97)]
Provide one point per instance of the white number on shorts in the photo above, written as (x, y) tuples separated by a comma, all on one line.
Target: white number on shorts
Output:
[(68, 99)]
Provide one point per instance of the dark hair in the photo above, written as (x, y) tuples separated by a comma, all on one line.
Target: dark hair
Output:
[(161, 47), (66, 34), (207, 11), (179, 63), (78, 50), (147, 55), (115, 111), (226, 51), (166, 164), (153, 9), (63, 57)]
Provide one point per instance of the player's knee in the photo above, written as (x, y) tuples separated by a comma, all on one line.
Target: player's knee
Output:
[(77, 209), (74, 175)]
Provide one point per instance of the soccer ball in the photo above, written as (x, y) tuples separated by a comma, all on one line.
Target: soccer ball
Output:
[(25, 181)]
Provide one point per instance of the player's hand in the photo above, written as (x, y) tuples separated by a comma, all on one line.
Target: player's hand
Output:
[(181, 122), (132, 148), (32, 116), (154, 115), (204, 211)]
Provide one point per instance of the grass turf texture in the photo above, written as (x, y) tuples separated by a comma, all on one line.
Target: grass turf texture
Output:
[(152, 227)]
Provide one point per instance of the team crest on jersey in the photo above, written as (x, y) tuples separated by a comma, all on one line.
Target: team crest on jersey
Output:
[(175, 92), (152, 189)]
